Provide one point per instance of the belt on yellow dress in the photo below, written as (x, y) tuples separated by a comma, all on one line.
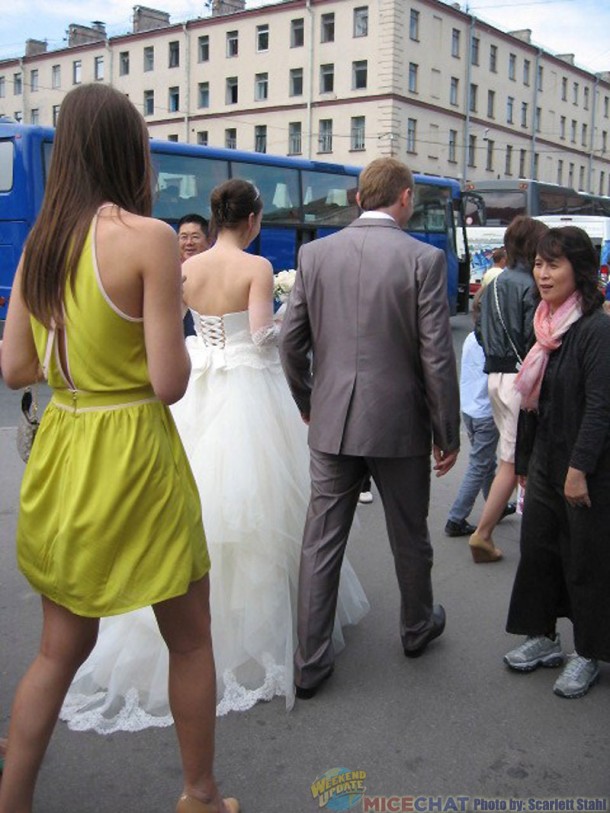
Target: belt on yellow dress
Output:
[(80, 401)]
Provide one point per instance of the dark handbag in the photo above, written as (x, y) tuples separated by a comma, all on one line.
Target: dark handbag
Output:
[(28, 423), (526, 435)]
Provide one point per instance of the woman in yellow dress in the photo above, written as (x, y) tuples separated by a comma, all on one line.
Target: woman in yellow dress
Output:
[(110, 517)]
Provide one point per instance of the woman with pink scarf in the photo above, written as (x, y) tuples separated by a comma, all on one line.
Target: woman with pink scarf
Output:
[(564, 570)]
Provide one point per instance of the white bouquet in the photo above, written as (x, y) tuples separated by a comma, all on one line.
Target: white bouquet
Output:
[(283, 283)]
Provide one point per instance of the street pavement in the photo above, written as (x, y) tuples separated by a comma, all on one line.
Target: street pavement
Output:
[(452, 730)]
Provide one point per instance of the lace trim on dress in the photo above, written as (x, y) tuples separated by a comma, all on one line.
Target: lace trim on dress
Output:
[(267, 334)]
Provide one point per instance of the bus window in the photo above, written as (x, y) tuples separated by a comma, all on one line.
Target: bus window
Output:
[(184, 184), (279, 188), (329, 199), (6, 166), (47, 152), (430, 209), (501, 206)]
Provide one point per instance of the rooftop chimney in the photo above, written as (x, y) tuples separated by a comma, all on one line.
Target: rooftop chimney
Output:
[(147, 19), (34, 47), (84, 34), (524, 34), (569, 58), (221, 7)]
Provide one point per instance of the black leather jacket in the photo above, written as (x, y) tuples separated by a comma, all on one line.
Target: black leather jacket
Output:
[(516, 289)]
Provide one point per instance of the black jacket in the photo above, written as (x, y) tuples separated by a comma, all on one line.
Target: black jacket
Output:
[(515, 288)]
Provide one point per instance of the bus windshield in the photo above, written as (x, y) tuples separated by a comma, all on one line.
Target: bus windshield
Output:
[(493, 207)]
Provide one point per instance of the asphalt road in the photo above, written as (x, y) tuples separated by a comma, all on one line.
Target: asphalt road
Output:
[(454, 729)]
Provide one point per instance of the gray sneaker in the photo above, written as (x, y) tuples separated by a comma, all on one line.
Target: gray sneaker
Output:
[(577, 677), (533, 652)]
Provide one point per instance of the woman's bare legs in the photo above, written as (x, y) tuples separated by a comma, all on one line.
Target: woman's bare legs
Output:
[(185, 625), (503, 485), (66, 641)]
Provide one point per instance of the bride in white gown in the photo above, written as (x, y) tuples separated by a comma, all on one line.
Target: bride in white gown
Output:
[(247, 447)]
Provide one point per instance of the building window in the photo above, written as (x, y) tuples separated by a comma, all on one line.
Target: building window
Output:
[(231, 138), (583, 137), (573, 131), (260, 138), (604, 140), (232, 43), (526, 72), (327, 28), (149, 58), (489, 165), (536, 162), (414, 25), (327, 78), (296, 82), (232, 90), (34, 80), (575, 93), (124, 63), (562, 128), (361, 21), (412, 77), (538, 119), (510, 108), (34, 116), (560, 171), (570, 174), (2, 87), (474, 50), (172, 137), (149, 102), (56, 77), (261, 89), (411, 135), (473, 98), (472, 150), (357, 133), (581, 178), (77, 68), (17, 84), (491, 103), (493, 58), (55, 114), (606, 112), (203, 94), (453, 90), (522, 160), (98, 68), (602, 178), (325, 136), (174, 100), (586, 98), (174, 54), (508, 164), (512, 66), (297, 33), (524, 114), (359, 74), (455, 42), (262, 42), (203, 48), (18, 116), (564, 89), (202, 138), (294, 138), (540, 76), (453, 146)]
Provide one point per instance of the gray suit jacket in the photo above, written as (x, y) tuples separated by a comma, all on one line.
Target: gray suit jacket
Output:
[(370, 303)]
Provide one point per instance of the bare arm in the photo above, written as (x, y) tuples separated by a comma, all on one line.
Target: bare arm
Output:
[(168, 361), (260, 303), (20, 364)]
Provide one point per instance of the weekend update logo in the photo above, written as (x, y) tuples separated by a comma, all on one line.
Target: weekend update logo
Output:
[(339, 789)]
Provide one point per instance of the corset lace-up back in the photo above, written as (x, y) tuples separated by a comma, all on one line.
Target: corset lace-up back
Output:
[(212, 330)]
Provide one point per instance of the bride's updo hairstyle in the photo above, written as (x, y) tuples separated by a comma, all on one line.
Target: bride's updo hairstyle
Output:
[(232, 202)]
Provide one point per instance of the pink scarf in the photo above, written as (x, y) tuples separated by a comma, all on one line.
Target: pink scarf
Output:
[(549, 329)]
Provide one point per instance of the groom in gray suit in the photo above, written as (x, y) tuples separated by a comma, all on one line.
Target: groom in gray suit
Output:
[(370, 304)]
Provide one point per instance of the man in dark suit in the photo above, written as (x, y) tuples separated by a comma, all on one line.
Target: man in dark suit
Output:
[(370, 303)]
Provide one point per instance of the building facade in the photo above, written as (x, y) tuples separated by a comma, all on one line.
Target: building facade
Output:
[(342, 81)]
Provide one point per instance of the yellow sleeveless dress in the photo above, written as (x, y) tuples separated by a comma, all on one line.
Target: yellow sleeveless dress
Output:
[(110, 516)]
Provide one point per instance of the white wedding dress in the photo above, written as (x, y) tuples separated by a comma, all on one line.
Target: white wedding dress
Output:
[(247, 446)]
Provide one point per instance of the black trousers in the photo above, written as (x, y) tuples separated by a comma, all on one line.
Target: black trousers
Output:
[(564, 570)]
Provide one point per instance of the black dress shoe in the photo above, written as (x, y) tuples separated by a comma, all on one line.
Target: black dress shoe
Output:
[(438, 625), (461, 528), (511, 508), (304, 693)]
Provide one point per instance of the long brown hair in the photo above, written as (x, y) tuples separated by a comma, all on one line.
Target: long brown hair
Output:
[(100, 154)]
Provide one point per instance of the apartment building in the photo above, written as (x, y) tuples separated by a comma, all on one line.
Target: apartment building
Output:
[(342, 81)]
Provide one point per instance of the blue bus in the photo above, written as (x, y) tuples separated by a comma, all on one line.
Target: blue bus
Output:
[(303, 199)]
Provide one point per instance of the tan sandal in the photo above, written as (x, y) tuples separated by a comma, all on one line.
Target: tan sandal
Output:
[(188, 804), (483, 551)]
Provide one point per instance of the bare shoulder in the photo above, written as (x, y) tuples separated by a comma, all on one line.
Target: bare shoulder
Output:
[(257, 266)]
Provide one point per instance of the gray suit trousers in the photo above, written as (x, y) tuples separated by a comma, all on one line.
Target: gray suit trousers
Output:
[(336, 480)]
